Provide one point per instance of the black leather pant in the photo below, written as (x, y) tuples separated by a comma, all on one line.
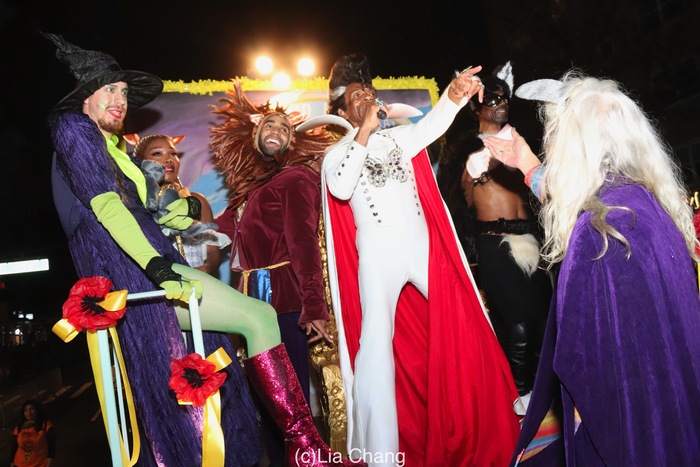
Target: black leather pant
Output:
[(518, 307), (521, 342)]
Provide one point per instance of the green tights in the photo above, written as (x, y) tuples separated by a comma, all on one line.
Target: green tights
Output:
[(224, 309)]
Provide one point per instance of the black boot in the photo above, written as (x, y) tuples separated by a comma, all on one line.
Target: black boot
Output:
[(514, 340)]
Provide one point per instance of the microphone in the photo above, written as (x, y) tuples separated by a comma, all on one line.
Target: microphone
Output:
[(380, 113)]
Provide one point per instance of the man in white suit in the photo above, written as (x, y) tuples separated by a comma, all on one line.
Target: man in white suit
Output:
[(401, 402)]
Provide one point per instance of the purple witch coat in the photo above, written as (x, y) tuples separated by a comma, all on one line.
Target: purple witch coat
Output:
[(622, 346), (149, 333)]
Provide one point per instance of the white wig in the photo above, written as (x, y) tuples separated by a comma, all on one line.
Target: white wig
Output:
[(593, 129)]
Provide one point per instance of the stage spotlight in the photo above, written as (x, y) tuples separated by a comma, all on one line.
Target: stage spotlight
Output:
[(281, 80), (305, 67), (264, 65)]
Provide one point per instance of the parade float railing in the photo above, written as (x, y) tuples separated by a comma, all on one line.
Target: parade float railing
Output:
[(194, 380)]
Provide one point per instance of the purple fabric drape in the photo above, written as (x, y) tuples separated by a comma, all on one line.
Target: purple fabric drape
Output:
[(622, 345)]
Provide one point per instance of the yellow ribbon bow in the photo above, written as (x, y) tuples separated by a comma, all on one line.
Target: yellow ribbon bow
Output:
[(113, 301), (213, 448)]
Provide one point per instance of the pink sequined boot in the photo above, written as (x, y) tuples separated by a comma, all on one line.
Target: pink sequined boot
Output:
[(273, 378)]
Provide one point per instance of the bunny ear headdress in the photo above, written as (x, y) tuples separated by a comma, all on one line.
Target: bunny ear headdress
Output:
[(500, 80), (544, 90), (234, 143), (505, 73)]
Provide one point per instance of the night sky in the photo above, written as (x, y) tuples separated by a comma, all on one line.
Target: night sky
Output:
[(204, 39)]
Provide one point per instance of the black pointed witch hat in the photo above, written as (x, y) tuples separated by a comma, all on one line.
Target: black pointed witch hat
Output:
[(93, 69)]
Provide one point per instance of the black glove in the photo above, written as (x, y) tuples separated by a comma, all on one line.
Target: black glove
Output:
[(160, 271), (182, 213), (194, 208)]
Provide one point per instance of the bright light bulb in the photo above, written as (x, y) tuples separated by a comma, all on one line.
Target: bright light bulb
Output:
[(281, 80), (305, 67), (264, 65)]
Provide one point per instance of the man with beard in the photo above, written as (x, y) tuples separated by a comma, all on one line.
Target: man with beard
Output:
[(273, 220)]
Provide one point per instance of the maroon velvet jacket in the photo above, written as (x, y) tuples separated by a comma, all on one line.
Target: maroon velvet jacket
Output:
[(280, 223)]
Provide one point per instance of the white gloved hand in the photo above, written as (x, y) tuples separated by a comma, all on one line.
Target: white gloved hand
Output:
[(481, 161)]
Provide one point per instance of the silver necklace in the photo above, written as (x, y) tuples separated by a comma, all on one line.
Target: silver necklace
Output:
[(379, 171)]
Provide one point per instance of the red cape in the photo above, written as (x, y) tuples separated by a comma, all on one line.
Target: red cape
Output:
[(455, 392)]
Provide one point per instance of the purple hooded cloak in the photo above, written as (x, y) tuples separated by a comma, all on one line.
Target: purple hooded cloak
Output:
[(620, 359)]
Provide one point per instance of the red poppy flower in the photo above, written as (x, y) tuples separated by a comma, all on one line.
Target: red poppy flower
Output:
[(194, 379), (82, 309)]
